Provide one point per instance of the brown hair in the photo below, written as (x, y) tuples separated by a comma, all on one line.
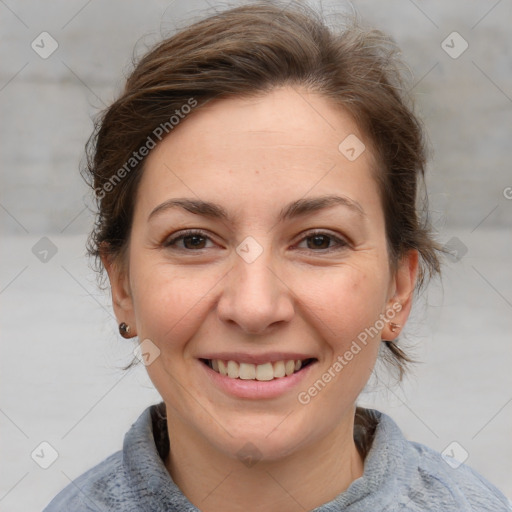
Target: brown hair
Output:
[(250, 50)]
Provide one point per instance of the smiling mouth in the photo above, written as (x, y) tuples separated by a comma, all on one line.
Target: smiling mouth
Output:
[(261, 372)]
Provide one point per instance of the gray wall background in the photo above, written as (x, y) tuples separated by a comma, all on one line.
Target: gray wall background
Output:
[(59, 372)]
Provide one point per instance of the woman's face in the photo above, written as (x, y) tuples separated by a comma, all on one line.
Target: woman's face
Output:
[(273, 275)]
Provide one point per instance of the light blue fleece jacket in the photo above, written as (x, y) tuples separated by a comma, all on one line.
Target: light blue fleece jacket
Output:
[(399, 475)]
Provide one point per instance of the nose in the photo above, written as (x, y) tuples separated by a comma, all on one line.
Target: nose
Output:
[(255, 297)]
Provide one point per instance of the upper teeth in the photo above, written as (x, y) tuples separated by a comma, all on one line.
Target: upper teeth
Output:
[(248, 371)]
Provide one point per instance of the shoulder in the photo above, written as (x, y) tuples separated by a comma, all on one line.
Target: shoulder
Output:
[(101, 487), (461, 486), (424, 479), (131, 479)]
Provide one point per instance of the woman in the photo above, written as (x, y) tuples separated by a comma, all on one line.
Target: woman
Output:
[(256, 184)]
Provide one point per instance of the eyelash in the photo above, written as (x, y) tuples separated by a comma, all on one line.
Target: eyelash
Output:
[(193, 232)]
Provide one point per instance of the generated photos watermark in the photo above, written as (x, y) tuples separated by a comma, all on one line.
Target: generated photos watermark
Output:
[(156, 136), (305, 397)]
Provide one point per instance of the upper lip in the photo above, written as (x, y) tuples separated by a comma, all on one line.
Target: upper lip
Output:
[(269, 357)]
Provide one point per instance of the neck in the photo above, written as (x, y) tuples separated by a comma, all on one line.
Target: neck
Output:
[(304, 480)]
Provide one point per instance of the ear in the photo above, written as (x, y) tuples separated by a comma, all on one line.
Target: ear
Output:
[(122, 302), (402, 288)]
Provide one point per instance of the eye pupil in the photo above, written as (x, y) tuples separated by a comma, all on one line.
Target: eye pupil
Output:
[(319, 241), (196, 240)]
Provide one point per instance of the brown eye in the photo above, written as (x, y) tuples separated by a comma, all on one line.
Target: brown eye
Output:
[(318, 242), (189, 240), (194, 242), (321, 241)]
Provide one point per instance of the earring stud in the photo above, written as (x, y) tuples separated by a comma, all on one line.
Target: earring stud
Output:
[(394, 326), (124, 330)]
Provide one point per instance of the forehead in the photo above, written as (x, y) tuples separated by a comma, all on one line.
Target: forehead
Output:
[(273, 145), (285, 118)]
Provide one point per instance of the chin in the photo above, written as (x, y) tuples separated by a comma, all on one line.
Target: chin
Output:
[(266, 441)]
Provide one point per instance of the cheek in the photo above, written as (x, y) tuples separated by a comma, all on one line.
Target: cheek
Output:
[(347, 304), (346, 313), (169, 301), (347, 301)]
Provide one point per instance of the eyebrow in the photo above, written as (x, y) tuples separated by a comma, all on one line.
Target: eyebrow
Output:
[(292, 210)]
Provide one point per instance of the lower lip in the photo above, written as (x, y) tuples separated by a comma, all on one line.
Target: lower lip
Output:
[(256, 389)]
